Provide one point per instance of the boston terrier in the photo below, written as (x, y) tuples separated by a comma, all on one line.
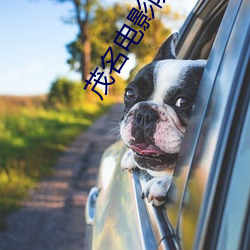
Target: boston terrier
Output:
[(158, 102)]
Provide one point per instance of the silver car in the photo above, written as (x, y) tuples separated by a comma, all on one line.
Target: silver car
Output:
[(208, 203)]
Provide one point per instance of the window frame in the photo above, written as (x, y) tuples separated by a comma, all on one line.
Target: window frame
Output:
[(162, 227), (195, 139)]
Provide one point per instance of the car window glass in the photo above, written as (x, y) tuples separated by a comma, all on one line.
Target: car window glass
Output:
[(188, 214), (213, 138), (202, 98), (236, 207)]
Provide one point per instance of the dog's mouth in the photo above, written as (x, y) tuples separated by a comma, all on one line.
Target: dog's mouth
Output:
[(146, 151)]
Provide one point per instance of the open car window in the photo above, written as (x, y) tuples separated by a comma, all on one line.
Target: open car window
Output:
[(198, 170), (196, 41)]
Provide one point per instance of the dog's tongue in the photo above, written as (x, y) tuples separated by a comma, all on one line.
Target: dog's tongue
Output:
[(145, 149)]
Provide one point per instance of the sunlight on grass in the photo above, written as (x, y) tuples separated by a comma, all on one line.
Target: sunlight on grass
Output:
[(31, 139), (14, 187)]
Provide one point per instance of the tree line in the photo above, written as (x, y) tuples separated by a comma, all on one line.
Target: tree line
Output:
[(97, 26)]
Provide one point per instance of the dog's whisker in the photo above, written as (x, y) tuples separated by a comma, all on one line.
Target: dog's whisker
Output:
[(118, 138), (116, 129), (112, 132), (115, 121), (112, 135)]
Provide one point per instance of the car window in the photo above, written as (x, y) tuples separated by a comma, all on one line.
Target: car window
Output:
[(192, 132), (208, 130), (165, 223), (235, 211)]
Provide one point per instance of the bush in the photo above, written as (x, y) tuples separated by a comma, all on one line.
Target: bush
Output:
[(65, 92)]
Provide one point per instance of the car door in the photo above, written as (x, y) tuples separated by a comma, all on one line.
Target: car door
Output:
[(207, 184)]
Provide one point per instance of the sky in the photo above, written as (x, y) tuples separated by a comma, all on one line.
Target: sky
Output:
[(32, 44)]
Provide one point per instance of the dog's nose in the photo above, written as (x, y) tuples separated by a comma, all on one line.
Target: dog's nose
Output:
[(145, 117)]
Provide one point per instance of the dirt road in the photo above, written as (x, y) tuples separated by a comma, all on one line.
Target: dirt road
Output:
[(53, 218)]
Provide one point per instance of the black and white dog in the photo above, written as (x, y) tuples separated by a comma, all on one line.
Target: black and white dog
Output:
[(158, 103)]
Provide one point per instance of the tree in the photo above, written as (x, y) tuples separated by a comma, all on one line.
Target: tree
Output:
[(103, 29), (83, 16), (102, 33), (97, 30)]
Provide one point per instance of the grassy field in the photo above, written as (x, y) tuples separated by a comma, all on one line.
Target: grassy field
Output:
[(31, 138)]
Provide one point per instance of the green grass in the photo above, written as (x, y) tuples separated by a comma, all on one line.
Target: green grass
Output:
[(31, 139)]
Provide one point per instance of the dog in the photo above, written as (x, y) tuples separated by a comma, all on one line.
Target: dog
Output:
[(158, 102)]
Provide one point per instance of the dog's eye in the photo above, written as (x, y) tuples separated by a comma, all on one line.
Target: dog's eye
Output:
[(183, 102), (130, 94)]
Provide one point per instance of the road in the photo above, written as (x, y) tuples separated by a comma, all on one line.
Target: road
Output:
[(53, 217)]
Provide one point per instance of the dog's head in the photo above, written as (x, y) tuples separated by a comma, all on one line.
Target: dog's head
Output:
[(158, 103)]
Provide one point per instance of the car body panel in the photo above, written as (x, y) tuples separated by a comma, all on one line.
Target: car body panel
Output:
[(117, 224)]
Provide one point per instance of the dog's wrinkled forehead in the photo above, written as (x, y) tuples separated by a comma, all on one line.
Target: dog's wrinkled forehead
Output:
[(165, 79), (175, 75)]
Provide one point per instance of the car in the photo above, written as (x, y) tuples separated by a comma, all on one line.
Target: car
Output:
[(208, 203)]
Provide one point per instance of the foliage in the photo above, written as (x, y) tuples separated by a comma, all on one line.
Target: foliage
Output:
[(65, 92), (151, 42), (103, 31), (31, 139), (97, 31)]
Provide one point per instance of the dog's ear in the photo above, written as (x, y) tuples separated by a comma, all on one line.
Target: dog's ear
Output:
[(167, 49)]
